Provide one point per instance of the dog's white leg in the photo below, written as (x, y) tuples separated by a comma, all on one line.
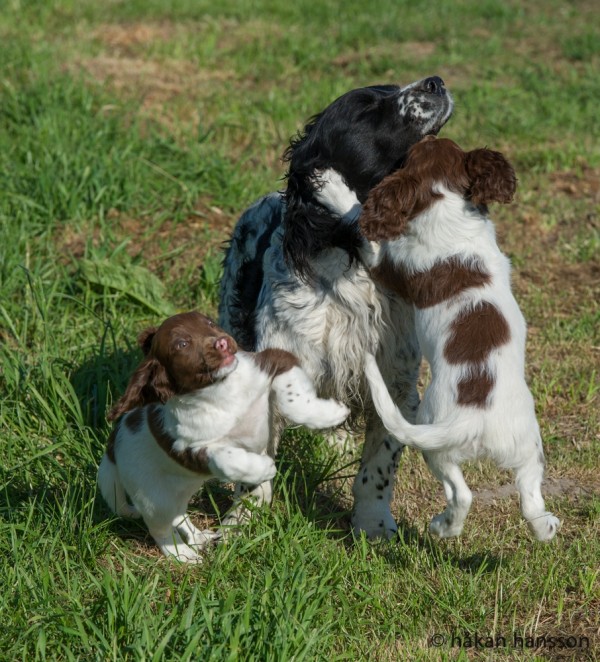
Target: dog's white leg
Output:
[(458, 495), (162, 514), (246, 498), (112, 489), (168, 538), (172, 544), (297, 401), (237, 465), (258, 495), (542, 524), (381, 452)]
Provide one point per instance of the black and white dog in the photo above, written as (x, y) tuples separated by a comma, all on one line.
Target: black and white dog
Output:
[(293, 278)]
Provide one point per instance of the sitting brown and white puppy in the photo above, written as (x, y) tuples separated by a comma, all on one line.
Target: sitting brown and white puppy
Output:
[(439, 252), (196, 409)]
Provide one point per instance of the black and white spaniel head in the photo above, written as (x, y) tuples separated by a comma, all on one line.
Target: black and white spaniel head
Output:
[(346, 150)]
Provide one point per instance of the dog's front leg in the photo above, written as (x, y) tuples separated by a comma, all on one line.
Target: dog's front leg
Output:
[(261, 494), (373, 487), (237, 465)]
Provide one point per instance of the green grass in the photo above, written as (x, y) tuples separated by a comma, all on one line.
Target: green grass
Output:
[(132, 134)]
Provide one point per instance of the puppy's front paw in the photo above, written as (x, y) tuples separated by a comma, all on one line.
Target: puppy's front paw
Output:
[(240, 466), (325, 414), (260, 469), (374, 520)]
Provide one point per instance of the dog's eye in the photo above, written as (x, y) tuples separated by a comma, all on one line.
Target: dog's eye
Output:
[(181, 344)]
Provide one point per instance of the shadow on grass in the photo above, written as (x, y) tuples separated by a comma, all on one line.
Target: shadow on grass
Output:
[(310, 479), (321, 493)]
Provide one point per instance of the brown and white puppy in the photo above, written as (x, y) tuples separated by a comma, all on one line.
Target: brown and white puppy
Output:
[(439, 253), (196, 409)]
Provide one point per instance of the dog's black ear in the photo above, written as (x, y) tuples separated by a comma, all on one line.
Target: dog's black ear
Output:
[(149, 383), (310, 228), (145, 339), (491, 177), (392, 204)]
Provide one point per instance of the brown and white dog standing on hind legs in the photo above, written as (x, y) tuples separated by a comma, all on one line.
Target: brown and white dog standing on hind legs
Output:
[(196, 409), (439, 252)]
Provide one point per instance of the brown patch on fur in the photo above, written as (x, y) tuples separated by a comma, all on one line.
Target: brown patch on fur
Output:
[(445, 280), (474, 333), (481, 175), (194, 460), (134, 420), (473, 391), (491, 177), (275, 361)]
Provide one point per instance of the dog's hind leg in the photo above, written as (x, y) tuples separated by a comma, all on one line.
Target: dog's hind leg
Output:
[(458, 495), (528, 478), (112, 489)]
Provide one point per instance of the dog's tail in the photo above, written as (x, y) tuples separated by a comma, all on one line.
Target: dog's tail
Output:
[(112, 489), (429, 437)]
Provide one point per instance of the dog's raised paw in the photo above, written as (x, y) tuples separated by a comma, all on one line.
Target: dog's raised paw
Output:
[(325, 414), (260, 469)]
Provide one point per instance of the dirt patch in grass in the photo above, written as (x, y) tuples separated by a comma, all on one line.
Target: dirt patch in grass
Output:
[(126, 38), (582, 185), (154, 83), (166, 247)]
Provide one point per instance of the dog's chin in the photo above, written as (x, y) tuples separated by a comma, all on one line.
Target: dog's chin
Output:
[(228, 365)]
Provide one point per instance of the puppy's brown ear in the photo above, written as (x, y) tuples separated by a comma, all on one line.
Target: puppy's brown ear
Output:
[(392, 204), (149, 383), (145, 339), (491, 177)]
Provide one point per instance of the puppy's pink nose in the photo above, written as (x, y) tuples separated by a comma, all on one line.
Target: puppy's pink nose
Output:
[(222, 346)]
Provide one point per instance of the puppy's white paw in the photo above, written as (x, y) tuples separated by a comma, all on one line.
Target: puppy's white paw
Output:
[(239, 466), (260, 468), (178, 550), (325, 414), (201, 539), (544, 528)]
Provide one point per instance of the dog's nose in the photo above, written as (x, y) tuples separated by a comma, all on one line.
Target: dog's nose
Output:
[(434, 85), (222, 345)]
